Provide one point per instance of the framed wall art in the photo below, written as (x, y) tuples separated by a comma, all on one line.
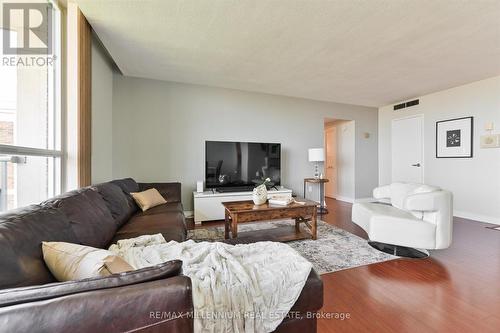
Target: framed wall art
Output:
[(454, 138)]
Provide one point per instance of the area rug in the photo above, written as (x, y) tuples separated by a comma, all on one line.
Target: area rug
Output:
[(334, 250)]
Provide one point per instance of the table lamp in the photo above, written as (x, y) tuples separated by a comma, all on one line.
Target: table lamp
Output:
[(316, 155)]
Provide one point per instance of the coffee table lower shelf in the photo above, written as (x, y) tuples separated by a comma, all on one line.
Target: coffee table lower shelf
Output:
[(279, 234), (305, 216)]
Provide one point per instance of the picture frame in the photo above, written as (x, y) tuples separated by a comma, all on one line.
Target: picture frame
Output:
[(455, 138)]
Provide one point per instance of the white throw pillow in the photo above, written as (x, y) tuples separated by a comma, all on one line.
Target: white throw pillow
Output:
[(69, 261), (148, 199)]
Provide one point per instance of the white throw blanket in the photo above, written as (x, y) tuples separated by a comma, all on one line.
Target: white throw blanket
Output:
[(241, 288)]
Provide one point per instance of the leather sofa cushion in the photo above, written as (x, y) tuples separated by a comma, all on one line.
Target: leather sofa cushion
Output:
[(170, 191), (170, 224), (120, 309), (117, 201), (14, 296), (21, 234), (310, 300), (128, 185), (88, 216), (169, 207), (311, 296)]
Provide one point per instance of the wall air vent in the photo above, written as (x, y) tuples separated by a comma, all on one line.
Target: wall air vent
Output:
[(406, 105)]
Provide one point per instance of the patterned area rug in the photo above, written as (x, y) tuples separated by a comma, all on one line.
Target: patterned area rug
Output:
[(334, 250)]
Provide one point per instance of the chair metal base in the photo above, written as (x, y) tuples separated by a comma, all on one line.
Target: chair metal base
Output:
[(400, 251)]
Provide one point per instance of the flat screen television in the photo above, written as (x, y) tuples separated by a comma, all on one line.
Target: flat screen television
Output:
[(241, 165)]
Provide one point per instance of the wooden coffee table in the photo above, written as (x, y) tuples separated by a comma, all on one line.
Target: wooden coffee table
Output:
[(245, 211)]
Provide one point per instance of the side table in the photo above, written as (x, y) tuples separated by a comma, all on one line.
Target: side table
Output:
[(321, 183)]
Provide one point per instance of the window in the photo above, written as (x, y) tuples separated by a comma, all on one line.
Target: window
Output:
[(30, 116)]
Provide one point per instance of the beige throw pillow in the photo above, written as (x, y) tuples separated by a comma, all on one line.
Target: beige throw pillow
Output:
[(148, 199), (69, 261)]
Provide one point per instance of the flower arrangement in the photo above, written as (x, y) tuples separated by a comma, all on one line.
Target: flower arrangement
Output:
[(265, 181)]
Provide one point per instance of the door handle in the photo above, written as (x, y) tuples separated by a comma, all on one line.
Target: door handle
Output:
[(416, 165)]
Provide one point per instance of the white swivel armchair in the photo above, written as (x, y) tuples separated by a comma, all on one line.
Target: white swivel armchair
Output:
[(414, 216)]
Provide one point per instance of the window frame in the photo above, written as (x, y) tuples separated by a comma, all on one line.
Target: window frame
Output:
[(56, 127)]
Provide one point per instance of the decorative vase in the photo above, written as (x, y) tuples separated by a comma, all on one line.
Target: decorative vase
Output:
[(259, 195)]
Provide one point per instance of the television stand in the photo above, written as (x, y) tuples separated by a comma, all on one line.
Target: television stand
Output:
[(233, 189), (208, 205)]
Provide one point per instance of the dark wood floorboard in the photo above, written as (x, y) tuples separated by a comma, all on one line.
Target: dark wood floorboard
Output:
[(455, 290)]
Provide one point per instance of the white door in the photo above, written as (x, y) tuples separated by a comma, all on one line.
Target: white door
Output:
[(407, 149)]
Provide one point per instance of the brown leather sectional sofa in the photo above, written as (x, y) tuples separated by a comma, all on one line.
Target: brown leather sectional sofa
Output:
[(154, 299)]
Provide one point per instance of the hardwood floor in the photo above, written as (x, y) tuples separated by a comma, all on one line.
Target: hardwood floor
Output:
[(455, 290)]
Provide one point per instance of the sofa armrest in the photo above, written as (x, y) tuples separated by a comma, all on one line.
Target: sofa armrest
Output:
[(21, 295), (382, 192), (423, 202), (170, 191), (161, 305)]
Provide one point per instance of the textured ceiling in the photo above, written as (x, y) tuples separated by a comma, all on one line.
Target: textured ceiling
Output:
[(360, 52)]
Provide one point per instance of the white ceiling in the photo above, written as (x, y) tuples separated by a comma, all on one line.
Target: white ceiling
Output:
[(370, 53)]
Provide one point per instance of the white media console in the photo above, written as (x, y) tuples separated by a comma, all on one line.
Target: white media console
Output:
[(208, 205)]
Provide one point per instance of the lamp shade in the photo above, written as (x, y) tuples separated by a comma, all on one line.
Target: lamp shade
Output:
[(316, 154)]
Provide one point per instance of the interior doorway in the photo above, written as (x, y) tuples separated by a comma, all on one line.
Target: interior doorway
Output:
[(331, 161), (339, 168)]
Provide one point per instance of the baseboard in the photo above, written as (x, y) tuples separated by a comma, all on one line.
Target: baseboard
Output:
[(365, 200), (352, 200), (344, 199), (188, 213), (476, 217)]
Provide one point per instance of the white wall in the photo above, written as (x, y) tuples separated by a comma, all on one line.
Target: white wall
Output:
[(159, 131), (475, 182), (102, 112)]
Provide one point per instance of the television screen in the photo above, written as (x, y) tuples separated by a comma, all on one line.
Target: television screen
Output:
[(241, 164)]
